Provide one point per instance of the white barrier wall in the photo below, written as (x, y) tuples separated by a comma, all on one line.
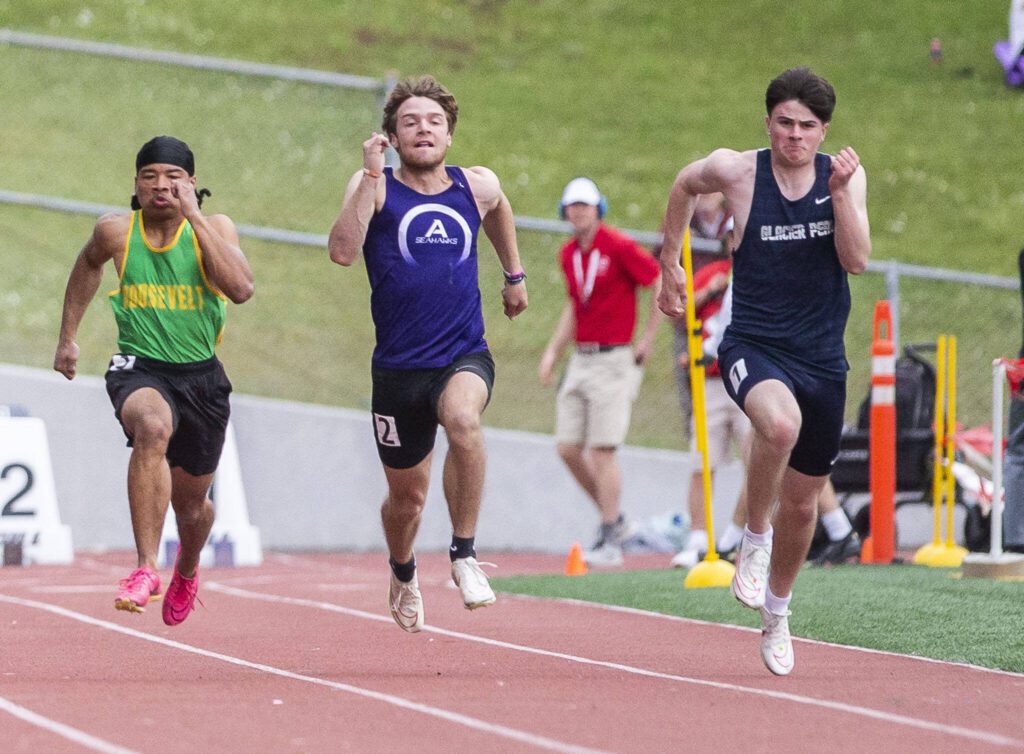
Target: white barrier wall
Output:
[(313, 481), (30, 527)]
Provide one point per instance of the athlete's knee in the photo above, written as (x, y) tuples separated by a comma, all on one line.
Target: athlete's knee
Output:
[(801, 511), (192, 508), (151, 431), (780, 431), (463, 428), (407, 503)]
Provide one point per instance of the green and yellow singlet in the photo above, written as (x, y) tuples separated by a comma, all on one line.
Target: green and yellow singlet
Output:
[(165, 308)]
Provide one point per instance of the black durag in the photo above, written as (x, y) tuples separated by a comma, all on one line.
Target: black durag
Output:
[(167, 150)]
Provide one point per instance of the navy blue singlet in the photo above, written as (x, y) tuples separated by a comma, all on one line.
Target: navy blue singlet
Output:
[(790, 294), (420, 253)]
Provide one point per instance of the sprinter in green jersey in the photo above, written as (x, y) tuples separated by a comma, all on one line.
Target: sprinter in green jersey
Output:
[(176, 267)]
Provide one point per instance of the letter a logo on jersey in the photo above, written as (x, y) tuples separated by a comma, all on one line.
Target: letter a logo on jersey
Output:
[(436, 236), (737, 374), (436, 228)]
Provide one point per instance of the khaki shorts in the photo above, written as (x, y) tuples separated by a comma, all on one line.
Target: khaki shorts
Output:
[(595, 399), (728, 426)]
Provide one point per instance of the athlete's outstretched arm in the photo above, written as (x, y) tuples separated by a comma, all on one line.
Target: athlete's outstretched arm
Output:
[(364, 195), (707, 175), (83, 282), (498, 223), (848, 186)]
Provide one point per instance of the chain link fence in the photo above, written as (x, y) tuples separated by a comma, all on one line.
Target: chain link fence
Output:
[(273, 161)]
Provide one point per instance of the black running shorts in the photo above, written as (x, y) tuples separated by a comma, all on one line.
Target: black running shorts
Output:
[(404, 406), (197, 393)]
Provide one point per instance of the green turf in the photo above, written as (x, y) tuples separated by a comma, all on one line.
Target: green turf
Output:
[(908, 609), (546, 93)]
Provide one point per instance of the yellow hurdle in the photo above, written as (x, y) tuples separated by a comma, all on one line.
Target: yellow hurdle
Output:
[(939, 553), (712, 571)]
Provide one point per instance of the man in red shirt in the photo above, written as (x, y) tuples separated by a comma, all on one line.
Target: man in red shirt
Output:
[(603, 270)]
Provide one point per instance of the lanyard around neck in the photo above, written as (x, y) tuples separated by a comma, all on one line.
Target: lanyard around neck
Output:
[(585, 283)]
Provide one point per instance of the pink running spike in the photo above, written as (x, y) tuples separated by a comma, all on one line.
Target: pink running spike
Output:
[(137, 589), (180, 598)]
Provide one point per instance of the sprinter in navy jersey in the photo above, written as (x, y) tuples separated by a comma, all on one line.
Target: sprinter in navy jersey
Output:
[(801, 225), (416, 227)]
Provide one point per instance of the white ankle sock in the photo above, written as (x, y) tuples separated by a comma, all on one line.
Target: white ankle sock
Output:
[(731, 538), (836, 524), (765, 538), (776, 605), (698, 540)]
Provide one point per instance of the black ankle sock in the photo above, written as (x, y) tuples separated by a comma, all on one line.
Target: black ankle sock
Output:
[(462, 547), (403, 571)]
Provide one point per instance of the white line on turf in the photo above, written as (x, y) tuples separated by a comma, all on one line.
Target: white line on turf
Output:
[(72, 734), (881, 715), (513, 734), (697, 621)]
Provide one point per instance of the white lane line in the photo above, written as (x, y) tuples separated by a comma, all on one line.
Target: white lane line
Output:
[(60, 729), (291, 559), (696, 621), (912, 722), (74, 589), (541, 742)]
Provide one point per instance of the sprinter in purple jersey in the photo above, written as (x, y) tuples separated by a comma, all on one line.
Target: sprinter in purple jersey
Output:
[(802, 225), (416, 227)]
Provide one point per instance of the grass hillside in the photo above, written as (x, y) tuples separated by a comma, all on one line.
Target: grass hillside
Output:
[(623, 92)]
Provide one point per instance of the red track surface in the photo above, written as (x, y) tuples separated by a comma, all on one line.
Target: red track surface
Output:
[(300, 655)]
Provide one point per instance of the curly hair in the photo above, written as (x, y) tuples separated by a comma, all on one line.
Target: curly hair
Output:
[(419, 86)]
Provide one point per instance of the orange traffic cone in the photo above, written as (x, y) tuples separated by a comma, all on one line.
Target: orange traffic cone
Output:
[(867, 550), (575, 565)]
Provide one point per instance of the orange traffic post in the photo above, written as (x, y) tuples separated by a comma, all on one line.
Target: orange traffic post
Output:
[(882, 441)]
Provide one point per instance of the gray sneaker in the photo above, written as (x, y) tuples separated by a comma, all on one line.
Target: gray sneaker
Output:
[(625, 529), (406, 604), (621, 531), (605, 555), (472, 582)]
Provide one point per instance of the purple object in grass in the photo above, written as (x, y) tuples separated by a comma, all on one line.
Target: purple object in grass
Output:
[(1011, 61)]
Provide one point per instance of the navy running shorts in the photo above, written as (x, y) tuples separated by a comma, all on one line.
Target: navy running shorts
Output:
[(822, 401)]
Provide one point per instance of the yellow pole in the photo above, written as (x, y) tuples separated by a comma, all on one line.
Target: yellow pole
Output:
[(712, 571), (938, 472), (950, 437), (939, 554), (934, 554), (695, 347)]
